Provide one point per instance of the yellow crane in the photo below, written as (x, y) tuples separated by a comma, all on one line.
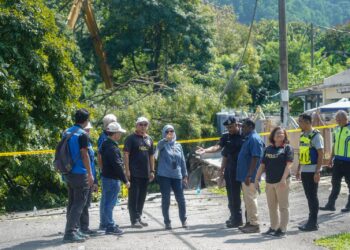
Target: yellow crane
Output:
[(89, 17)]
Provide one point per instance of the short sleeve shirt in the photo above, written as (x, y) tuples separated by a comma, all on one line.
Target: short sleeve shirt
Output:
[(275, 160), (140, 148), (231, 145), (251, 148)]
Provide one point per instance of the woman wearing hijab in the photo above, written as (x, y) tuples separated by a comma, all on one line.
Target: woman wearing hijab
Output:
[(172, 174)]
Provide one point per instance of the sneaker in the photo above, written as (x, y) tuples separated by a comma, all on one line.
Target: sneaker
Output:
[(73, 238), (114, 230), (269, 232), (251, 229), (345, 210), (235, 224), (328, 208), (168, 226), (229, 221), (184, 224), (137, 224), (82, 235), (278, 233), (144, 224), (89, 232), (308, 227), (102, 227)]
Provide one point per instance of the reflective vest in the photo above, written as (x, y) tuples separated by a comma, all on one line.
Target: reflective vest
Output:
[(341, 146), (307, 153)]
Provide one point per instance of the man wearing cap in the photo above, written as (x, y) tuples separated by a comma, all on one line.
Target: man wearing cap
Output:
[(139, 168), (230, 143), (107, 119), (112, 174)]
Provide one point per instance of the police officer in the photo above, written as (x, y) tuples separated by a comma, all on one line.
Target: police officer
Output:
[(310, 160), (341, 162), (230, 143)]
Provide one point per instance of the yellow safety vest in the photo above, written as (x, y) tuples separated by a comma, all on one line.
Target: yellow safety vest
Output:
[(341, 148), (307, 153)]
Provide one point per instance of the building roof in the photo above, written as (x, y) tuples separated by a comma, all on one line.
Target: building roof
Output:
[(337, 80)]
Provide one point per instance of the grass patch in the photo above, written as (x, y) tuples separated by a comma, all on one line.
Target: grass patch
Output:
[(222, 191), (335, 242)]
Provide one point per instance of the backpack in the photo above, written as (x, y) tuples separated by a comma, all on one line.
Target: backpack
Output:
[(63, 159)]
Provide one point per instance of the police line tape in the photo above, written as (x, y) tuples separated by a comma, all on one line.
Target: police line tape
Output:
[(51, 151)]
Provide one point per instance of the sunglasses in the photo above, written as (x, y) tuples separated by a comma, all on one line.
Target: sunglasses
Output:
[(169, 131), (143, 124)]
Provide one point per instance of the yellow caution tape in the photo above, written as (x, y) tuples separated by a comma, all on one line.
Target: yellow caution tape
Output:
[(50, 151)]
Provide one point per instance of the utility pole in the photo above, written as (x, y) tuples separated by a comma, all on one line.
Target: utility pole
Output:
[(283, 63), (312, 45)]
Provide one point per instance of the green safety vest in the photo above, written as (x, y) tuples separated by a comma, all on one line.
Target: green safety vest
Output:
[(307, 153), (341, 147)]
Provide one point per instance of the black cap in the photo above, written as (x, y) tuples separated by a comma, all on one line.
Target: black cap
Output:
[(230, 120)]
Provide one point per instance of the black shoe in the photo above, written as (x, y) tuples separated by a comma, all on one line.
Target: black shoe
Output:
[(168, 226), (114, 230), (137, 224), (278, 233), (328, 208), (184, 224), (345, 210), (73, 238), (229, 221), (308, 227), (144, 224), (89, 232), (81, 234), (269, 232), (234, 224)]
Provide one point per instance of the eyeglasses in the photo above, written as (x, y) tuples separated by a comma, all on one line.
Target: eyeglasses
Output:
[(169, 131), (143, 124)]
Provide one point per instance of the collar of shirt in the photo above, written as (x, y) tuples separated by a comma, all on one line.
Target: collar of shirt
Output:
[(77, 125), (140, 134), (114, 142)]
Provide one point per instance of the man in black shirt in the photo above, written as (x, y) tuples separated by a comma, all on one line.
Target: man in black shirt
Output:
[(230, 143), (139, 168)]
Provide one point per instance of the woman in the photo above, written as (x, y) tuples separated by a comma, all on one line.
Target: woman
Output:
[(276, 163), (172, 174)]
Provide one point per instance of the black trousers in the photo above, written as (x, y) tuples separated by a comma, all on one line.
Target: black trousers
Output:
[(137, 197), (78, 190), (84, 218), (233, 188), (310, 189), (340, 169)]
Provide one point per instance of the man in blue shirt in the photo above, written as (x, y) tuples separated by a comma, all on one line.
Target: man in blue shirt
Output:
[(248, 163), (80, 178)]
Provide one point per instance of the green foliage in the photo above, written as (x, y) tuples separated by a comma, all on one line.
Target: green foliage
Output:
[(322, 12), (335, 242), (39, 88)]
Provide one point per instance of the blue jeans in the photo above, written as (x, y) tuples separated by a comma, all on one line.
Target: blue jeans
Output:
[(110, 191), (166, 185)]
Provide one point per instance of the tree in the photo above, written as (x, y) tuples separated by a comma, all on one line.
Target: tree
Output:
[(39, 88)]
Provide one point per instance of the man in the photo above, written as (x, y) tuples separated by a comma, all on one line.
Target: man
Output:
[(310, 161), (248, 163), (85, 218), (107, 119), (341, 163), (112, 174), (230, 143), (139, 169), (80, 179)]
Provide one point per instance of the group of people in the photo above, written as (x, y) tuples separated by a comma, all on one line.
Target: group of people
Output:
[(136, 169), (244, 160)]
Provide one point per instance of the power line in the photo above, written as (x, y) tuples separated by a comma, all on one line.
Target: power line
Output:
[(233, 75)]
